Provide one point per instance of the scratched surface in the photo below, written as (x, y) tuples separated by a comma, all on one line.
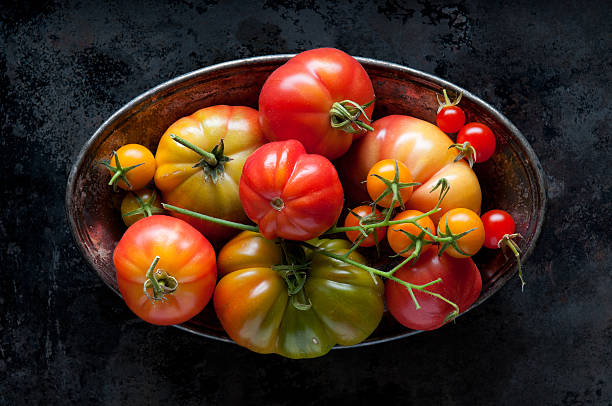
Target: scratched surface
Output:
[(65, 68)]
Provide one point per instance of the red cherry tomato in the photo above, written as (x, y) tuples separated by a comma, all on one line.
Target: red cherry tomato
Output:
[(185, 257), (480, 137), (497, 223), (296, 101), (461, 283), (289, 193), (450, 119)]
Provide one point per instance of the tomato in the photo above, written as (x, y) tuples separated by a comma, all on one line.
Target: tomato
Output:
[(297, 98), (459, 221), (248, 250), (399, 241), (480, 137), (185, 255), (461, 283), (497, 223), (338, 304), (132, 167), (423, 147), (140, 204), (289, 193), (365, 215), (192, 181), (450, 119), (387, 169)]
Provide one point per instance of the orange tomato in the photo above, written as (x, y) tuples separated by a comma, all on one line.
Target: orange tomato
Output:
[(371, 215), (131, 155), (400, 241), (386, 169), (459, 221), (423, 148)]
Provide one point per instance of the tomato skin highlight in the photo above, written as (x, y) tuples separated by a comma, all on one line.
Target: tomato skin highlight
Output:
[(497, 223), (376, 234), (296, 99), (450, 119), (188, 187), (480, 137), (461, 283), (184, 253), (461, 220), (289, 193), (423, 147)]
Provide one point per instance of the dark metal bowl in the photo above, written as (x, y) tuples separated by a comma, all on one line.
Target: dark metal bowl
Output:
[(512, 180)]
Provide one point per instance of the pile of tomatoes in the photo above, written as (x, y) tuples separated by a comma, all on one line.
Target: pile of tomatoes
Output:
[(248, 206)]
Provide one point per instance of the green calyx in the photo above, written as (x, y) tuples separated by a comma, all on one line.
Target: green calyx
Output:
[(294, 270), (508, 241), (393, 187), (212, 163), (145, 208), (160, 282), (345, 116), (447, 239), (119, 172), (447, 101), (466, 151)]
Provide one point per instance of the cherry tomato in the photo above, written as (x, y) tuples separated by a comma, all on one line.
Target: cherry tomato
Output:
[(140, 204), (297, 99), (459, 221), (480, 137), (461, 284), (289, 193), (400, 241), (186, 263), (136, 166), (450, 119), (423, 147), (386, 169), (365, 215), (497, 223)]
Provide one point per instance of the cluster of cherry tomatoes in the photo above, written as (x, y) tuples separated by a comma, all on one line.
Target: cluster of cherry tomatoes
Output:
[(289, 283)]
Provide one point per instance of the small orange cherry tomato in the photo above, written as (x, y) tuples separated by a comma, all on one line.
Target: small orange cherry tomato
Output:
[(135, 168), (400, 241), (367, 215), (386, 169), (140, 204), (459, 221)]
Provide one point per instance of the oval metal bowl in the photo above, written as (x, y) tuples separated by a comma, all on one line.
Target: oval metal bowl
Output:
[(512, 180)]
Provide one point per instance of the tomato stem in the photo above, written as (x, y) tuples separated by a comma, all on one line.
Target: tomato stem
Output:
[(160, 282), (507, 240), (211, 162), (216, 220), (146, 208), (345, 116)]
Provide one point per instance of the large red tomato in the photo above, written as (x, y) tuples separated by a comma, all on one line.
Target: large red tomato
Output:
[(289, 193), (461, 283), (296, 100), (185, 257), (424, 149)]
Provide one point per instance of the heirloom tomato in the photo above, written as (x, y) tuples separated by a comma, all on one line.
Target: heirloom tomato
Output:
[(423, 147), (338, 303), (185, 274), (300, 100), (207, 181), (289, 193), (362, 215), (459, 221), (461, 283)]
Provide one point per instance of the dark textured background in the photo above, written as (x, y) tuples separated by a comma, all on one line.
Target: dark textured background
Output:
[(67, 66)]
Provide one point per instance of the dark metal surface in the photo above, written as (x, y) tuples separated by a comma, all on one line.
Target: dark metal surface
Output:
[(512, 180)]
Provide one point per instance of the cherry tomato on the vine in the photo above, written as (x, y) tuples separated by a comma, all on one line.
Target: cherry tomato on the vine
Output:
[(450, 119), (480, 137), (399, 241), (459, 221), (497, 223), (386, 169), (140, 204), (135, 168), (365, 215)]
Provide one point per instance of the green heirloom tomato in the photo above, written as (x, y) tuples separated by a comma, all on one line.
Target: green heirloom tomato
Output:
[(337, 304)]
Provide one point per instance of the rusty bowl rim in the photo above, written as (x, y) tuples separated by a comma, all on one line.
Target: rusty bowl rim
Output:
[(279, 59)]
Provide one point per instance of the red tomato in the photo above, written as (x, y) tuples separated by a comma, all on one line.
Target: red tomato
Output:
[(461, 283), (423, 147), (450, 119), (185, 255), (497, 223), (289, 193), (296, 100), (480, 137), (366, 215)]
